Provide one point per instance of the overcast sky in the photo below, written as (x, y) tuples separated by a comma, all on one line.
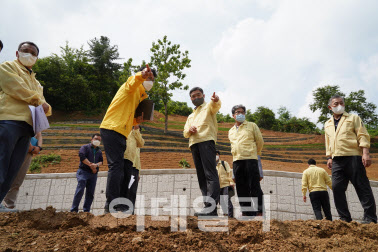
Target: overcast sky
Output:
[(255, 52)]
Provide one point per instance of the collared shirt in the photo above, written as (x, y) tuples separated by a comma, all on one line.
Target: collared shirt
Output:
[(120, 115), (348, 139), (18, 89), (246, 141), (93, 154), (134, 143), (224, 174), (204, 118), (315, 179)]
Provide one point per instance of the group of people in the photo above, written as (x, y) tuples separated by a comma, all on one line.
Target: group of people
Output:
[(347, 147)]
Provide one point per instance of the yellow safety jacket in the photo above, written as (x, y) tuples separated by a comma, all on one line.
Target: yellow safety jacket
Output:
[(120, 114), (18, 89)]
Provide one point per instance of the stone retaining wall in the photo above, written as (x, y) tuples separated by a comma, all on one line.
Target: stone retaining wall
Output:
[(284, 188)]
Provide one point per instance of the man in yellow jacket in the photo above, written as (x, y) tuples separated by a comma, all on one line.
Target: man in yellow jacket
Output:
[(246, 143), (18, 89), (347, 148), (132, 165), (316, 179), (117, 125), (201, 128), (226, 184)]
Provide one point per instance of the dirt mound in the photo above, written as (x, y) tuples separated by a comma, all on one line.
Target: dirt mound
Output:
[(47, 230)]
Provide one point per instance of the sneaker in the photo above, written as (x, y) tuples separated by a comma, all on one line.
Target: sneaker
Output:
[(3, 209), (367, 221)]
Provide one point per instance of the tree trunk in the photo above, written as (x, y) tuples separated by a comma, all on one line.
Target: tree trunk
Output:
[(166, 117)]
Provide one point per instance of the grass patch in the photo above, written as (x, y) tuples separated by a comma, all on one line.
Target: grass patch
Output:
[(43, 161)]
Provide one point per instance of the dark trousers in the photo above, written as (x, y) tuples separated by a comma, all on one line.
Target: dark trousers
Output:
[(126, 192), (85, 180), (229, 210), (319, 200), (350, 168), (247, 179), (14, 145), (115, 147), (204, 159)]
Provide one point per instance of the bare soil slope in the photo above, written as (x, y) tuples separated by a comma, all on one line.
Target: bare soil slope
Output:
[(47, 230)]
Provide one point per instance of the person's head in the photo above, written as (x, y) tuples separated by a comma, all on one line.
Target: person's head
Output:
[(217, 153), (1, 46), (137, 127), (336, 104), (96, 139), (27, 54), (149, 82), (311, 161), (238, 113), (197, 96)]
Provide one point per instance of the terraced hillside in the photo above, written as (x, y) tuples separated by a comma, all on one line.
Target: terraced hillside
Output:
[(282, 151)]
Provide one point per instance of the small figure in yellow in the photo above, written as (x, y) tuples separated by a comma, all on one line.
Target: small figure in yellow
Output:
[(226, 185), (316, 179)]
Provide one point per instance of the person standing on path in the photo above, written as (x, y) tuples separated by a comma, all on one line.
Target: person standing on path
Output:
[(316, 179)]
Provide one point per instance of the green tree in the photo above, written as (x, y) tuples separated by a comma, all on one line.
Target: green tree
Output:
[(283, 114), (127, 70), (224, 118), (354, 102), (66, 79), (103, 57), (177, 108), (264, 117), (321, 97), (170, 63)]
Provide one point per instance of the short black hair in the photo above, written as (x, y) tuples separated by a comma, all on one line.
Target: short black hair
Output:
[(234, 108), (152, 70), (1, 45), (195, 89), (311, 161), (28, 42), (217, 152), (96, 134)]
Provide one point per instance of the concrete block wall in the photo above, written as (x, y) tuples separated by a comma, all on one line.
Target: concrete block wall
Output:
[(284, 189)]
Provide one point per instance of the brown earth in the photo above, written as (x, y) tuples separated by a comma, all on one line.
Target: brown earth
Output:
[(47, 230)]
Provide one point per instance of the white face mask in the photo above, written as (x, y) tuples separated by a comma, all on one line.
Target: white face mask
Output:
[(27, 59), (96, 142), (217, 158), (148, 85), (338, 110)]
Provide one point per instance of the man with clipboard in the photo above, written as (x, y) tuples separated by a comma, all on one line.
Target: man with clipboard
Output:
[(18, 89)]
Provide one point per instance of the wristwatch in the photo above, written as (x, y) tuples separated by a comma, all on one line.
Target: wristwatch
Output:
[(40, 148)]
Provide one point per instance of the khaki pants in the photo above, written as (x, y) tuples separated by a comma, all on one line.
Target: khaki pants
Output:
[(11, 197)]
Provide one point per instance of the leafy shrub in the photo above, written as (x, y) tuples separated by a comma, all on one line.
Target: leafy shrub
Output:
[(184, 164), (43, 161)]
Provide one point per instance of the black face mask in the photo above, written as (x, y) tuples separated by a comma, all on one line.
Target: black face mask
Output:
[(198, 101)]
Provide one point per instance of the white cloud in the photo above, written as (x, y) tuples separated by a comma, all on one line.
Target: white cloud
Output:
[(256, 52), (303, 45)]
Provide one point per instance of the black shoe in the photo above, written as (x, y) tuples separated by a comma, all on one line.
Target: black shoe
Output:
[(106, 210), (367, 221), (346, 220)]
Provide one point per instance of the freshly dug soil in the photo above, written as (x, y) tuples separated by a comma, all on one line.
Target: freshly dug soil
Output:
[(47, 230)]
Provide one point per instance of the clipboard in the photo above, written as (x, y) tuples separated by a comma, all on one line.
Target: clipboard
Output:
[(147, 108), (39, 118)]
